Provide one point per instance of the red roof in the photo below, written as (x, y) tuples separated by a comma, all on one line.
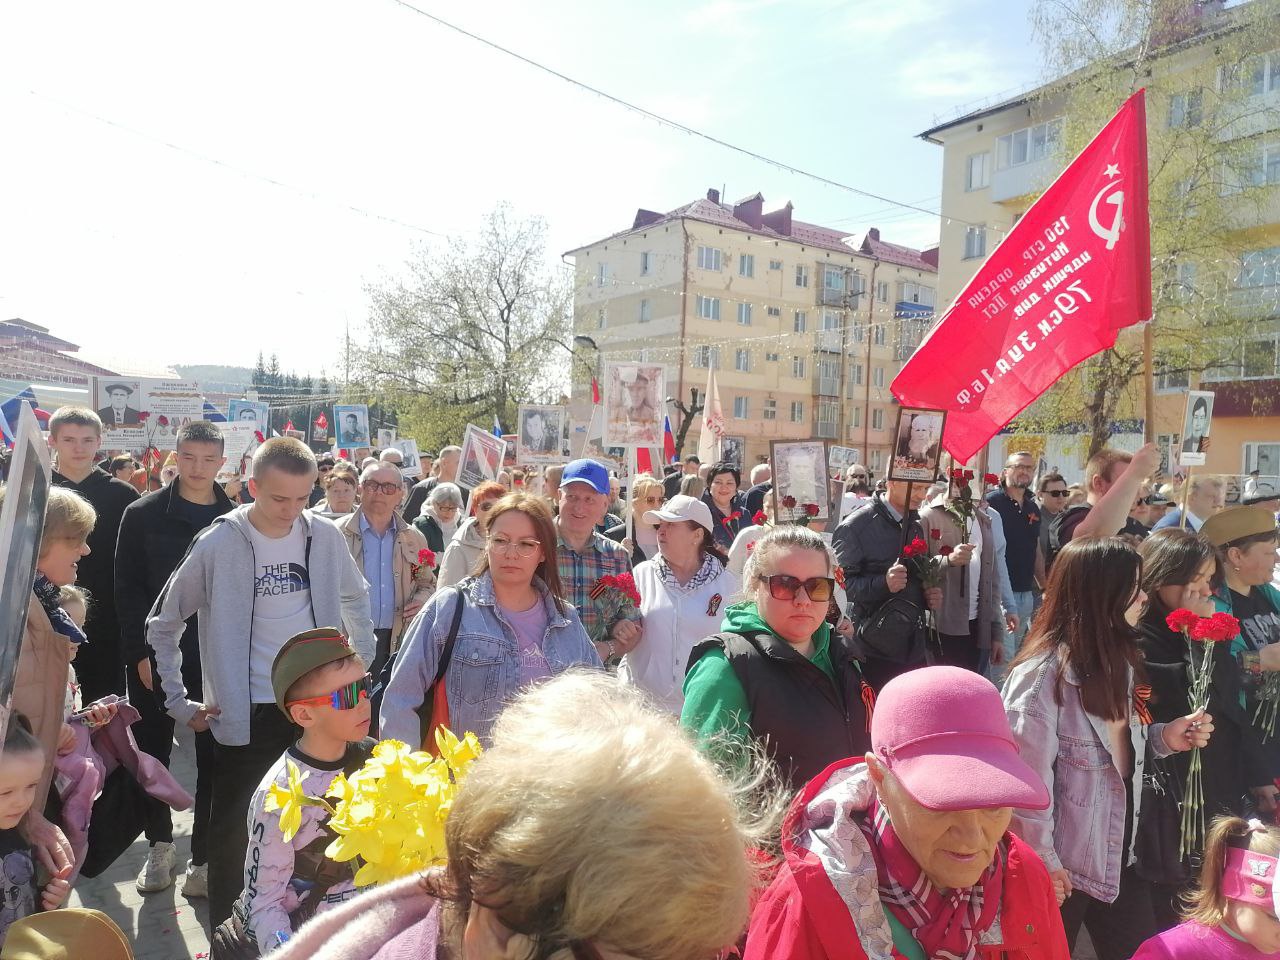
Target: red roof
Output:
[(710, 210)]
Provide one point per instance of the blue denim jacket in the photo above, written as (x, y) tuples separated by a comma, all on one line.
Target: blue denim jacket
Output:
[(1083, 829), (484, 673)]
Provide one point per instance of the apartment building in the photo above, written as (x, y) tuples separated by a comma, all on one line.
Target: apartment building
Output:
[(998, 158), (804, 325)]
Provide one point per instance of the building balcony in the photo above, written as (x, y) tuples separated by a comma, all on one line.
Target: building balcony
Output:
[(828, 341), (1023, 179), (826, 386), (826, 430)]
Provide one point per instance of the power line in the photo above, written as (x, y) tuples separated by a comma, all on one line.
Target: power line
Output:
[(659, 119)]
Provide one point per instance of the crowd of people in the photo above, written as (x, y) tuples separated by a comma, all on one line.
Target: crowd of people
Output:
[(966, 697)]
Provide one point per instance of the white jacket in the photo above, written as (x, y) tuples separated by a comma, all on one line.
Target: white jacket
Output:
[(673, 621)]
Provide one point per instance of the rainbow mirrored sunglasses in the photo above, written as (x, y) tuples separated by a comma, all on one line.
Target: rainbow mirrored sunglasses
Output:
[(344, 698)]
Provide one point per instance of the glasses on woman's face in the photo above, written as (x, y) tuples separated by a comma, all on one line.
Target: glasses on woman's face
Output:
[(345, 697), (524, 548), (371, 486), (785, 587), (323, 468), (656, 498)]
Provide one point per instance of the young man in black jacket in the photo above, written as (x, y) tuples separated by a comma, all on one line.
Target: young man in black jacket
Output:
[(75, 434), (154, 537)]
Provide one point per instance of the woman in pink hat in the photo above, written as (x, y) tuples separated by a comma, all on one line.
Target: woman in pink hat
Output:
[(1073, 702), (906, 852)]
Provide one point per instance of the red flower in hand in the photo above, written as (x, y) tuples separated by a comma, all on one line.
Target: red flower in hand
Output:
[(958, 475), (1181, 620), (789, 502), (909, 550), (1218, 628), (162, 420), (626, 583), (935, 534), (968, 475), (759, 518), (944, 551), (426, 558), (257, 435), (811, 509), (919, 545), (990, 479)]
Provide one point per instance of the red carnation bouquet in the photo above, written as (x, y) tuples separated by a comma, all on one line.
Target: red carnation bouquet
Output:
[(800, 514), (612, 595), (423, 570), (1202, 633)]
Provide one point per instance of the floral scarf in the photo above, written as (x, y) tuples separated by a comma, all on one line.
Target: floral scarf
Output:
[(47, 593), (709, 570)]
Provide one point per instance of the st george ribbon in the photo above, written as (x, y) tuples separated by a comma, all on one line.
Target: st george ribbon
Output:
[(1073, 271)]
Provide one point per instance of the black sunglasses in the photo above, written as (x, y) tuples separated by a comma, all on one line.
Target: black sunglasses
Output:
[(785, 587), (1055, 493)]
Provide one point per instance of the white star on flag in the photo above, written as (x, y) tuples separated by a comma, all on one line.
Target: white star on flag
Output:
[(1111, 171)]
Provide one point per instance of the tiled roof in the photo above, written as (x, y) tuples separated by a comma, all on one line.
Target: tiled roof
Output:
[(873, 246)]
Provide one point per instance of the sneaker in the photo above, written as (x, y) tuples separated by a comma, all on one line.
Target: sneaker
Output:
[(196, 881), (157, 872)]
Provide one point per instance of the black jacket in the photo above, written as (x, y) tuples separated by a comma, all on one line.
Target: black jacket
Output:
[(756, 496), (617, 534), (153, 540), (805, 721), (98, 665), (429, 527)]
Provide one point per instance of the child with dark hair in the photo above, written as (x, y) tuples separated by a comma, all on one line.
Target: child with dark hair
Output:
[(21, 767)]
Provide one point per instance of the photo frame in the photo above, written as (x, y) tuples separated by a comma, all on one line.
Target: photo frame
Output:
[(542, 434), (250, 411), (141, 413), (21, 529), (386, 437), (634, 401), (412, 465), (1197, 420), (917, 444), (799, 472), (351, 423), (840, 459), (481, 457)]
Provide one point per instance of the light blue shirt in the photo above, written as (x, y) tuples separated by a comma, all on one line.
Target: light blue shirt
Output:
[(378, 552)]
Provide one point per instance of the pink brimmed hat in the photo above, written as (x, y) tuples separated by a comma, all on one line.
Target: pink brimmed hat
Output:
[(944, 734)]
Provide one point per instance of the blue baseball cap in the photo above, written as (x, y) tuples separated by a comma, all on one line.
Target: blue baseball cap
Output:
[(586, 471)]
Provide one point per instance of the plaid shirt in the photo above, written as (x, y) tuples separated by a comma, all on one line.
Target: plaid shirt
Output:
[(579, 572)]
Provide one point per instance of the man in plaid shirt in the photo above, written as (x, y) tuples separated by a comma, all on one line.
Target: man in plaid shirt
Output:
[(584, 556)]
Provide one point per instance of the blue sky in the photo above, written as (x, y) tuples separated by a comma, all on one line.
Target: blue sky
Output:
[(149, 255)]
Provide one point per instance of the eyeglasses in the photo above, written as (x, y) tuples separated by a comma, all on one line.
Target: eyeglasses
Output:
[(1055, 493), (657, 499), (345, 697), (523, 548), (485, 505), (785, 587), (387, 488), (325, 468)]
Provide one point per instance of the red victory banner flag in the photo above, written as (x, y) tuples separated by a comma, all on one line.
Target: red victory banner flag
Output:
[(1057, 290), (322, 422)]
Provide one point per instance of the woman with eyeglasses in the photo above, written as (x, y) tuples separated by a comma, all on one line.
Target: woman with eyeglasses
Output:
[(439, 519), (463, 552), (513, 629), (642, 540), (777, 675), (683, 594)]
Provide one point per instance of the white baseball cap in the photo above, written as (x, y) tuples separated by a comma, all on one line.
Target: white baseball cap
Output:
[(680, 508)]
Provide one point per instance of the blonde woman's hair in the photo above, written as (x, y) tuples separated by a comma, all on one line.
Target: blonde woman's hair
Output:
[(789, 537), (642, 483), (593, 818), (66, 515), (1206, 903)]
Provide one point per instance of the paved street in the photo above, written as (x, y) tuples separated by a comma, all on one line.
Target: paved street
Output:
[(161, 926)]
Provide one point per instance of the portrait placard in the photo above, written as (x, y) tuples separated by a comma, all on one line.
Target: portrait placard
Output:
[(481, 457), (542, 434), (917, 445), (1196, 423), (141, 413), (351, 421), (412, 465), (635, 396), (799, 479)]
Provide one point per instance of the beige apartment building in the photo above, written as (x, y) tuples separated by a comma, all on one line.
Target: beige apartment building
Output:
[(804, 326), (997, 159)]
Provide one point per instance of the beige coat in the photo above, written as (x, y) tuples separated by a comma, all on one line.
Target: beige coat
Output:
[(408, 589), (40, 689)]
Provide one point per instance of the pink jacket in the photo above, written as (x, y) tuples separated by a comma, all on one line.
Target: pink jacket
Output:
[(80, 774), (397, 921)]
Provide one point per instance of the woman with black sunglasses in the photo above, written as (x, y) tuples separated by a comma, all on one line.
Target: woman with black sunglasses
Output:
[(778, 675)]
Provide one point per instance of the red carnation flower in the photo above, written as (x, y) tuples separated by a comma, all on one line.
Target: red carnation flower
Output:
[(1217, 629), (144, 416), (990, 479), (759, 518), (957, 474), (919, 545), (909, 550), (811, 509), (968, 475), (1181, 620), (426, 558), (789, 502), (162, 420), (257, 435), (935, 534), (626, 583), (944, 551)]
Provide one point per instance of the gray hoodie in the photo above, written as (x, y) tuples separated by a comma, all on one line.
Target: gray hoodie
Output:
[(214, 581)]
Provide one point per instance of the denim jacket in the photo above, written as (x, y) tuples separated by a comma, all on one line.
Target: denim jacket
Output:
[(1084, 828), (484, 673)]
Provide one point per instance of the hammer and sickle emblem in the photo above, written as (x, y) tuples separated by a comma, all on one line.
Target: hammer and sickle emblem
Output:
[(1116, 198)]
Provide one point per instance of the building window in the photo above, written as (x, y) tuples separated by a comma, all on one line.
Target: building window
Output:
[(857, 331), (744, 314), (770, 411), (1028, 145), (646, 311), (877, 419), (746, 265), (857, 416), (742, 361), (705, 356), (1260, 358), (877, 335), (828, 412), (830, 320), (802, 275), (877, 377), (1259, 168), (1185, 109), (774, 311), (645, 259), (708, 258), (975, 241), (740, 407), (771, 357), (775, 264), (1259, 268), (977, 171), (708, 307), (1260, 74), (1178, 282), (875, 461), (855, 374), (801, 322), (833, 280), (882, 291), (1170, 382), (917, 293), (797, 411), (602, 274), (797, 367), (600, 319)]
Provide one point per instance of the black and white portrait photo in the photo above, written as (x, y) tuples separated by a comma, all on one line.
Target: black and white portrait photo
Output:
[(118, 403), (353, 425), (917, 445), (1195, 428), (542, 434)]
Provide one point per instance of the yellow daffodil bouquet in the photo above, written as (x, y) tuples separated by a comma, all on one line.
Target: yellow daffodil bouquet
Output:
[(389, 815)]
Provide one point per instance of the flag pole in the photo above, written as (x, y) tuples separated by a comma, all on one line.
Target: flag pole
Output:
[(1149, 381), (906, 517), (1186, 492)]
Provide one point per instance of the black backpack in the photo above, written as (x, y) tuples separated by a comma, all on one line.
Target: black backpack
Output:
[(1055, 531)]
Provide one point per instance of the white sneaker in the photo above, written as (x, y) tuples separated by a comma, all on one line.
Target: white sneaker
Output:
[(157, 872), (195, 883)]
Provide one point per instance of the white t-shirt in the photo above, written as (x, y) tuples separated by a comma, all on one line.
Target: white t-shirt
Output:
[(281, 602), (975, 568)]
